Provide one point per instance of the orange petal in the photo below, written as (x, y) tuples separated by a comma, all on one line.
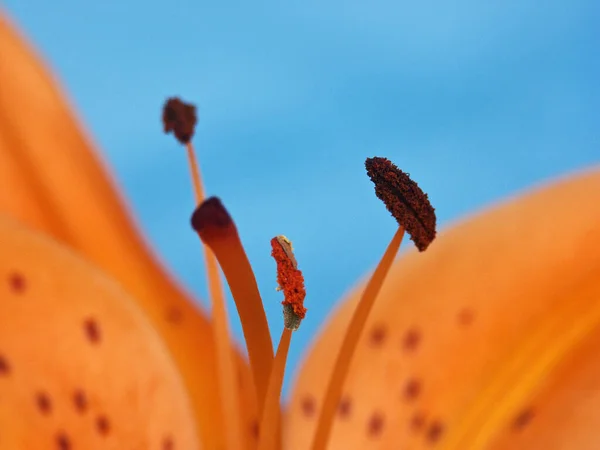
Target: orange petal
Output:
[(500, 315), (53, 181), (79, 361), (564, 414)]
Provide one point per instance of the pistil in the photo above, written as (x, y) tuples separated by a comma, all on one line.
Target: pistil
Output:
[(217, 230)]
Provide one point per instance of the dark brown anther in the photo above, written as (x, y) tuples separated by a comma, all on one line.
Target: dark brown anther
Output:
[(180, 118), (404, 199)]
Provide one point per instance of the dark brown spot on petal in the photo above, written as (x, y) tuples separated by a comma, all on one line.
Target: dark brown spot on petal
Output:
[(375, 425), (378, 335), (102, 425), (308, 406), (417, 421), (92, 330), (465, 317), (168, 443), (412, 389), (16, 282), (43, 402), (411, 339), (522, 419), (80, 401), (404, 199), (434, 431), (4, 366), (63, 442), (255, 429), (345, 407), (174, 315)]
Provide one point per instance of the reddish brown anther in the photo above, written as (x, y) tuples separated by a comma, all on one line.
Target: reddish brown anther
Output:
[(180, 118), (404, 199), (290, 280)]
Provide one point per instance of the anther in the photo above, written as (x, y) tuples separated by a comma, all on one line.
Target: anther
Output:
[(180, 118), (290, 280), (404, 199)]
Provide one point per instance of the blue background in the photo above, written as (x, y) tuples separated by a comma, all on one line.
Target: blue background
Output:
[(476, 101)]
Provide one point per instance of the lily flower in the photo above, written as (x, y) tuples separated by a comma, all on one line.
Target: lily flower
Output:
[(486, 340)]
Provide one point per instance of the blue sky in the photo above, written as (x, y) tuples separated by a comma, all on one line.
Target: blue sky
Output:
[(476, 101)]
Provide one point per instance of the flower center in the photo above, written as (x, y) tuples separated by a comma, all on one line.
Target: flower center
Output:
[(215, 227)]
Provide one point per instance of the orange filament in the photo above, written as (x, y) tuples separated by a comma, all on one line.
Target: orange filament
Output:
[(344, 358), (228, 386), (217, 230), (195, 173), (269, 424)]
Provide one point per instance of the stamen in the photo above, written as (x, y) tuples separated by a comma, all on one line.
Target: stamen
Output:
[(215, 227), (411, 208), (290, 280), (180, 118), (404, 199)]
